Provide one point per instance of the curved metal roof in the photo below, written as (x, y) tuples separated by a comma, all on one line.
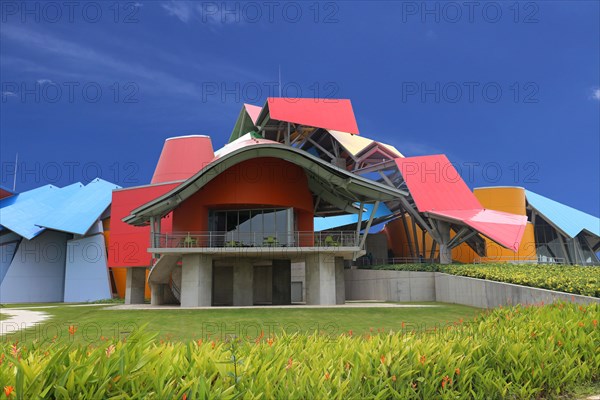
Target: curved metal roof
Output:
[(332, 184)]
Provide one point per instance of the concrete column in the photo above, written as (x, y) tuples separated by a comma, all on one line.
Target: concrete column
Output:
[(445, 251), (340, 284), (157, 294), (196, 280), (320, 279), (282, 282), (243, 284), (135, 285)]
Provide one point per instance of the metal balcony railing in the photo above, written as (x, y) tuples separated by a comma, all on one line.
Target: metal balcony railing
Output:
[(255, 239)]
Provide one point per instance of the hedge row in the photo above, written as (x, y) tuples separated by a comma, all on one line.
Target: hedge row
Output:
[(584, 280)]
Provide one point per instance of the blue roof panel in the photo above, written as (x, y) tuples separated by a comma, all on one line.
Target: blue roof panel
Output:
[(78, 213), (23, 212), (327, 223), (565, 218)]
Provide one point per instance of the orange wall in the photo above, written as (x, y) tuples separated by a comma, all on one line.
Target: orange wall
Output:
[(398, 242), (259, 182), (507, 199)]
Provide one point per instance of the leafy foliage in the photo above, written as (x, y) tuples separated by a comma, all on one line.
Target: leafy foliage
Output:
[(517, 352)]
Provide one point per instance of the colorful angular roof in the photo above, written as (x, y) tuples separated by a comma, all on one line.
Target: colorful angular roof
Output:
[(330, 114), (437, 189), (78, 212), (565, 218), (72, 209)]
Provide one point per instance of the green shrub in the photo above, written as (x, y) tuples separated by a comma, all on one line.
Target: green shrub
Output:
[(564, 278), (517, 352)]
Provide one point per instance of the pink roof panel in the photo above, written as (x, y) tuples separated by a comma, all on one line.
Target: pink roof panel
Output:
[(435, 184), (253, 112), (334, 114), (438, 189), (503, 228)]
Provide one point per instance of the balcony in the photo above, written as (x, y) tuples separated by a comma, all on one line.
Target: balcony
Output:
[(292, 245), (248, 240)]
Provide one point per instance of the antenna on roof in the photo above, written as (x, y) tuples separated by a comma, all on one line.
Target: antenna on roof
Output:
[(279, 80), (15, 177)]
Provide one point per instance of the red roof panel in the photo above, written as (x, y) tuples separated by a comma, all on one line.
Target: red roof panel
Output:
[(335, 114), (182, 157)]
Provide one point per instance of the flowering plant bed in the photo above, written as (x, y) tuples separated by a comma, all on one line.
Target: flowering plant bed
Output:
[(516, 352)]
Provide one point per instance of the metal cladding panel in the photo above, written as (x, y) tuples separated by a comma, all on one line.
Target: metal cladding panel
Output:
[(435, 184), (352, 143), (78, 212), (241, 142), (7, 252), (28, 209), (569, 220), (129, 244), (253, 112), (86, 273), (335, 114), (182, 157), (327, 223), (37, 271), (503, 228)]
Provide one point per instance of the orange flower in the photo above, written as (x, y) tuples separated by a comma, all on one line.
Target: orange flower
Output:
[(595, 322), (559, 343), (270, 341), (290, 363), (326, 376), (382, 359), (403, 324), (581, 324), (446, 380), (72, 329), (393, 378), (457, 371), (350, 332), (422, 360), (184, 397), (347, 366), (8, 390), (109, 350), (199, 341), (212, 344)]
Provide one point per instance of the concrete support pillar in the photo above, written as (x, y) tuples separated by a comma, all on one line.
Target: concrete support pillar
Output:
[(282, 282), (135, 285), (157, 297), (445, 250), (320, 279), (243, 284), (340, 283), (196, 280)]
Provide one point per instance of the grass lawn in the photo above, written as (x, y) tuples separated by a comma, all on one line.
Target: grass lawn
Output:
[(94, 322)]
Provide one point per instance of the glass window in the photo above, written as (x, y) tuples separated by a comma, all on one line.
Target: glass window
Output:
[(253, 227)]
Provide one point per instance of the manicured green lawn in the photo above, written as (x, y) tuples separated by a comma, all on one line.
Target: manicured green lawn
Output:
[(94, 322)]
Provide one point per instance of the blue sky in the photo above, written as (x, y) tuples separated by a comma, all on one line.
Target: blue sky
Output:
[(509, 91)]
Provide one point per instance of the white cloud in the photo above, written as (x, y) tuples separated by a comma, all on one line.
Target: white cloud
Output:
[(183, 10), (595, 94), (45, 81)]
